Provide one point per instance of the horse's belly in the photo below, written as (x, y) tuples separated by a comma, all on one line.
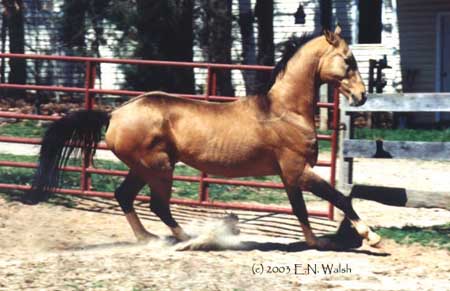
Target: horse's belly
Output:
[(242, 170), (236, 163)]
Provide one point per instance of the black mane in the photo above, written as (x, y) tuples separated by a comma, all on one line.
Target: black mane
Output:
[(288, 49)]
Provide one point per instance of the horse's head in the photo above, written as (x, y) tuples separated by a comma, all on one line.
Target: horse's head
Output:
[(338, 67)]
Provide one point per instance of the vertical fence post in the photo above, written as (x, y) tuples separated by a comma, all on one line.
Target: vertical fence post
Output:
[(89, 83), (334, 141), (90, 75), (203, 191), (343, 135)]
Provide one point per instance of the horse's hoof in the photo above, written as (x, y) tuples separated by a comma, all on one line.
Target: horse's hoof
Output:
[(362, 229), (29, 201), (373, 239), (180, 235), (347, 237), (185, 246), (324, 243), (143, 238)]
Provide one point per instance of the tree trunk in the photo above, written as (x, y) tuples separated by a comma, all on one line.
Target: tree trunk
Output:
[(246, 20), (164, 33), (96, 13), (3, 46), (216, 40), (147, 25), (73, 37), (74, 25), (180, 44), (15, 21), (266, 49)]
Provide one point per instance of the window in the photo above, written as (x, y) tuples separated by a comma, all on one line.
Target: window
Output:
[(369, 21)]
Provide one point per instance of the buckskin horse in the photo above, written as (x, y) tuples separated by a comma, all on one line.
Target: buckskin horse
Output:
[(269, 134)]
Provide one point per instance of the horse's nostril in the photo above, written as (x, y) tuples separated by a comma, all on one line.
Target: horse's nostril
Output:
[(363, 98)]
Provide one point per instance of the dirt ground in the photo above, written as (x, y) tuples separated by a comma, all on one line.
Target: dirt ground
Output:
[(90, 247)]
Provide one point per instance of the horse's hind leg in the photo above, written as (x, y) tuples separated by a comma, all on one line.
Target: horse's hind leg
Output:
[(125, 195), (161, 188), (310, 181)]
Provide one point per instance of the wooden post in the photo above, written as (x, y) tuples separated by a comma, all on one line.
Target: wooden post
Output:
[(345, 164), (349, 161), (342, 165), (401, 196)]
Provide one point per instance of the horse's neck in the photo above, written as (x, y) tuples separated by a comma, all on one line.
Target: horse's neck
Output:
[(295, 90)]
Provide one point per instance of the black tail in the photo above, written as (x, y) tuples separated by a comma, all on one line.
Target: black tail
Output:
[(81, 129)]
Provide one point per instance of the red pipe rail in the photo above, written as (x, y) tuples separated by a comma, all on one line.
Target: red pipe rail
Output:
[(90, 91)]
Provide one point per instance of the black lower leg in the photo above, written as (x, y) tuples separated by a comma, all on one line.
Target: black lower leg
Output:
[(161, 208), (324, 190), (298, 206), (127, 192)]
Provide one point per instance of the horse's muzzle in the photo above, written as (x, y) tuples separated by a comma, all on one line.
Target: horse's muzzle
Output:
[(358, 101)]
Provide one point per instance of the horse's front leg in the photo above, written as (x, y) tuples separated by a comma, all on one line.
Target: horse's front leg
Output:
[(291, 166), (295, 196), (310, 181)]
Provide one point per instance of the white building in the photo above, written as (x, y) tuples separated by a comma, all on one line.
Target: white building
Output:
[(413, 34)]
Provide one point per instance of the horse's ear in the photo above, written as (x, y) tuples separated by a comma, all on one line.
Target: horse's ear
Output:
[(338, 30), (330, 37)]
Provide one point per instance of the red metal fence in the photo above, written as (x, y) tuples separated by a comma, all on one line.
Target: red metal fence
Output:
[(89, 92)]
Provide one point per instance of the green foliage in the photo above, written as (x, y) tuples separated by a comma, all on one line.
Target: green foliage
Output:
[(29, 128), (324, 145), (188, 190), (80, 16), (26, 128), (436, 236), (160, 30), (403, 134), (214, 35), (185, 190), (224, 193)]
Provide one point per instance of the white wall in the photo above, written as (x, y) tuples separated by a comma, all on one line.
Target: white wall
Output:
[(389, 46), (408, 38), (417, 26)]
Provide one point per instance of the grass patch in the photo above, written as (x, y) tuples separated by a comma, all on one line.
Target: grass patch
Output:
[(30, 128), (435, 236), (186, 190), (324, 145), (26, 128), (403, 134), (189, 190)]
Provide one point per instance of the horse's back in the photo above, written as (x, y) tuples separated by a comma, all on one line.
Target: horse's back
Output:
[(159, 129)]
